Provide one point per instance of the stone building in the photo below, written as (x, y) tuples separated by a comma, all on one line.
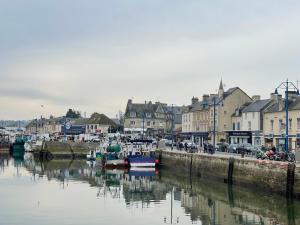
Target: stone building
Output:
[(156, 118), (224, 104), (196, 120), (45, 126), (100, 123), (275, 122)]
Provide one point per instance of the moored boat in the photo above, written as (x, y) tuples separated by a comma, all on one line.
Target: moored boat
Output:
[(18, 149), (114, 157), (141, 154)]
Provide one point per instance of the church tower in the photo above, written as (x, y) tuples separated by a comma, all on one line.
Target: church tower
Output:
[(221, 89)]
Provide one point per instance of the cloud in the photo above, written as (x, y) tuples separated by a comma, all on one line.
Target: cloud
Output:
[(95, 56)]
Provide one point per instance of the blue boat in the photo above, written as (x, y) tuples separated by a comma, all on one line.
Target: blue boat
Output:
[(141, 154)]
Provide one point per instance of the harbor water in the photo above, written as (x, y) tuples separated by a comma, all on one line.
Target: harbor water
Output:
[(76, 192)]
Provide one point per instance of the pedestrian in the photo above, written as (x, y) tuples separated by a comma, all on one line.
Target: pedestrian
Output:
[(186, 146)]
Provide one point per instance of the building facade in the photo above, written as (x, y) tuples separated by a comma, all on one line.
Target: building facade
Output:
[(224, 105), (275, 123), (152, 118)]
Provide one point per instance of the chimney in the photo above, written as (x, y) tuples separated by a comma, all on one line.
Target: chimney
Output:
[(205, 98), (275, 97), (293, 95), (255, 97), (195, 100)]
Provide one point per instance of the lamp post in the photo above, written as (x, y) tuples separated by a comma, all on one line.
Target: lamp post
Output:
[(143, 121), (172, 129), (215, 103), (287, 86)]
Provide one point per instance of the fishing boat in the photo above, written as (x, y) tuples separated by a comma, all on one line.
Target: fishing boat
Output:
[(114, 157), (4, 142), (97, 154), (18, 149), (141, 154)]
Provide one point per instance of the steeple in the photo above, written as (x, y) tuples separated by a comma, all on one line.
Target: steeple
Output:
[(221, 89)]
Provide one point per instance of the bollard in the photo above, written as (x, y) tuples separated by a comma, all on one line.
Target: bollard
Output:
[(290, 179), (230, 171)]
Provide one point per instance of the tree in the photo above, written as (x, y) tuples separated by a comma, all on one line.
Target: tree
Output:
[(73, 114)]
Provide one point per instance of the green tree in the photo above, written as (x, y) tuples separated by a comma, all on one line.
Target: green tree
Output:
[(73, 114)]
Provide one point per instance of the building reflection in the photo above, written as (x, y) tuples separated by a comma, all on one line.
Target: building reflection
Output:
[(209, 203)]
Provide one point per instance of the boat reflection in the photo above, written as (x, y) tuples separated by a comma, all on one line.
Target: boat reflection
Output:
[(202, 201)]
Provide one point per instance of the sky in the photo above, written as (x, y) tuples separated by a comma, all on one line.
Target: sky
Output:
[(94, 55)]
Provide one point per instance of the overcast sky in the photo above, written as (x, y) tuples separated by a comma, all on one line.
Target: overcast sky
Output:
[(93, 55)]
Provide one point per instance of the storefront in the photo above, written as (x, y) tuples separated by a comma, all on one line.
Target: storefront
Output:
[(239, 137), (257, 138), (198, 138)]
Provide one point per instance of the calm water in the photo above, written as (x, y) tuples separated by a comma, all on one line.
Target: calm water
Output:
[(74, 192)]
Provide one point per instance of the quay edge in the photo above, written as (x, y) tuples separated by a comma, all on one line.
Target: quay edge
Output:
[(270, 176)]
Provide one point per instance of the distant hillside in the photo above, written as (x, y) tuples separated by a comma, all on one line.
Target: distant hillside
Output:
[(13, 123)]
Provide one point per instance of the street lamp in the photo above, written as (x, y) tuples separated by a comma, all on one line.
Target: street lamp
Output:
[(287, 85), (214, 122), (172, 129)]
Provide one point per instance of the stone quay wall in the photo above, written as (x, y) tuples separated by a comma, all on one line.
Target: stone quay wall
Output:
[(280, 177)]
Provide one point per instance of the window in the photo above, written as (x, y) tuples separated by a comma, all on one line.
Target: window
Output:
[(153, 123), (290, 124), (272, 125), (96, 127), (132, 122), (148, 115), (132, 114), (88, 127), (253, 115), (92, 127), (233, 126), (148, 123), (298, 123), (238, 126), (280, 124), (249, 125)]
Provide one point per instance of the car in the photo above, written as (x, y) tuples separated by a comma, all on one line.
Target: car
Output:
[(168, 142), (232, 148), (245, 148), (95, 140), (190, 144), (222, 147)]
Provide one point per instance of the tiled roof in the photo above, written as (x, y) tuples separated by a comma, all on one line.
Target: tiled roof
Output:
[(279, 106), (257, 106)]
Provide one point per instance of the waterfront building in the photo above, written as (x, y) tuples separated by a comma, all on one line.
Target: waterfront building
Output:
[(196, 120), (50, 126), (100, 123), (226, 102), (96, 124), (247, 122), (275, 119), (155, 118)]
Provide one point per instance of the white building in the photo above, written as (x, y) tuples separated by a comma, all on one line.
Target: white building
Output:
[(247, 122)]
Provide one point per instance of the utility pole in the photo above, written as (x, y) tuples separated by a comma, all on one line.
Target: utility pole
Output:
[(144, 121), (287, 85), (172, 129), (214, 130)]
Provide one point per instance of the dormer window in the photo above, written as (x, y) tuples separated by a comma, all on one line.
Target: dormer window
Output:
[(148, 115), (132, 114)]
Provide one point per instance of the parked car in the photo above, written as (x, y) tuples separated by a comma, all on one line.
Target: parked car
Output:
[(190, 144), (222, 147), (245, 148), (232, 148)]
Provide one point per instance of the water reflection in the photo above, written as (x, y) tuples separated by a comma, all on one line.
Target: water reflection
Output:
[(172, 199)]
